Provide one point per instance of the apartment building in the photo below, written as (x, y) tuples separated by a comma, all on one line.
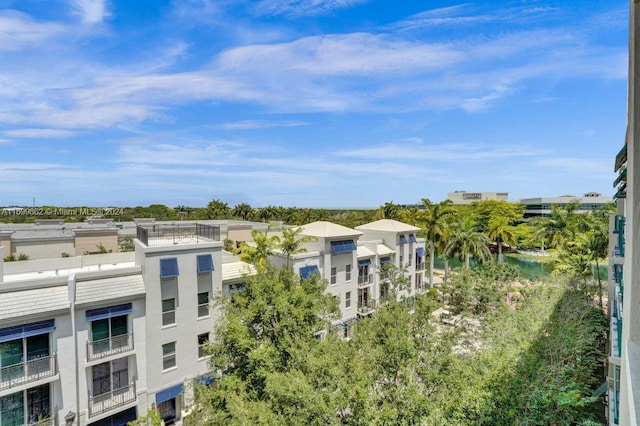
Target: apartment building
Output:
[(356, 263), (99, 340), (623, 375)]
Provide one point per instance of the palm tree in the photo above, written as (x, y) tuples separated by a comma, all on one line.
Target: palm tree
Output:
[(258, 253), (466, 242), (243, 211), (501, 231), (434, 220), (217, 209), (293, 244), (388, 211)]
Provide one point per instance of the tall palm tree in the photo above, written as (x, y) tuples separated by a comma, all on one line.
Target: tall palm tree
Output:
[(293, 243), (258, 253), (466, 242), (434, 221), (217, 209), (501, 231), (243, 211)]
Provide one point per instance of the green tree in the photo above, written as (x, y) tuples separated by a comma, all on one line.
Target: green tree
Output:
[(466, 241), (243, 211), (217, 209), (500, 230), (257, 253), (293, 243), (127, 244), (434, 221), (264, 339)]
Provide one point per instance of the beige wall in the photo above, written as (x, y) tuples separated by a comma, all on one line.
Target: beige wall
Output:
[(89, 243), (239, 235), (43, 249)]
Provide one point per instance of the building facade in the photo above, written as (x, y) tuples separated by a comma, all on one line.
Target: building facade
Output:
[(623, 373), (464, 197), (541, 206)]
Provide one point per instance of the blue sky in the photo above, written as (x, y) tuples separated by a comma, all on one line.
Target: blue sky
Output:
[(316, 103)]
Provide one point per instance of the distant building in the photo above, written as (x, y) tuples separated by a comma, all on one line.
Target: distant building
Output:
[(464, 197), (541, 206)]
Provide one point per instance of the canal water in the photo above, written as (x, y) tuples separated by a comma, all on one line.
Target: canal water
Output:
[(530, 268)]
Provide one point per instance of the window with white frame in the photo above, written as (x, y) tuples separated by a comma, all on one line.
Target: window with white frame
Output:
[(168, 312), (203, 304), (203, 339), (348, 272), (347, 299), (168, 355), (334, 273)]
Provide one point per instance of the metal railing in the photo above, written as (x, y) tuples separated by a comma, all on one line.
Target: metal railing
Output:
[(421, 266), (48, 421), (367, 307), (98, 349), (156, 235), (365, 280), (28, 371), (108, 401)]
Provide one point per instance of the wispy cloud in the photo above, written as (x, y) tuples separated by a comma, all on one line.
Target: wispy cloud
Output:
[(260, 124), (40, 133), (90, 11), (18, 30), (303, 7)]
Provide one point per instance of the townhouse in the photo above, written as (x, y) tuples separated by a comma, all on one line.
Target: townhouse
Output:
[(101, 339)]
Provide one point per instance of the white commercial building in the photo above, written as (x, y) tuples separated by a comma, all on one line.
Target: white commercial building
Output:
[(464, 197)]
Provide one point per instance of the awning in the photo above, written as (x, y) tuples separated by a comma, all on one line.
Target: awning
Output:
[(412, 238), (306, 271), (27, 330), (169, 267), (343, 246), (421, 252), (108, 312), (403, 239), (384, 260), (601, 389), (168, 394), (205, 263), (365, 262), (206, 379)]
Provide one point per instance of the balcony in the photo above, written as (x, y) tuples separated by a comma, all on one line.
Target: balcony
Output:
[(367, 308), (365, 280), (49, 421), (100, 404), (27, 372), (420, 266), (114, 345)]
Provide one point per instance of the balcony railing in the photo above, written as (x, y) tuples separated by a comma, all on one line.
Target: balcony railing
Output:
[(367, 307), (420, 266), (98, 349), (100, 404), (155, 235), (365, 280), (48, 421), (27, 372)]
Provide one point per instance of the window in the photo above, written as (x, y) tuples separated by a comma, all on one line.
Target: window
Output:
[(203, 339), (401, 260), (306, 271), (169, 267), (333, 275), (412, 238), (348, 272), (104, 333), (403, 239), (203, 304), (168, 355), (205, 263), (169, 311), (110, 376), (37, 402), (347, 299)]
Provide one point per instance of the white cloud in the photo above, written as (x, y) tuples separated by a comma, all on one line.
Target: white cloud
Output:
[(40, 133), (303, 7), (260, 124), (90, 11), (18, 30)]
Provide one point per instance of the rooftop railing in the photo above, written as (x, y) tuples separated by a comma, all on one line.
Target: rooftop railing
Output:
[(157, 235)]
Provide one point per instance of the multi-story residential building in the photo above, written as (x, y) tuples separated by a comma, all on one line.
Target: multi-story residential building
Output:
[(353, 261), (623, 374), (101, 339)]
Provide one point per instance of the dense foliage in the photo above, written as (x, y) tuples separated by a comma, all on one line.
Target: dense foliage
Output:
[(533, 362)]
